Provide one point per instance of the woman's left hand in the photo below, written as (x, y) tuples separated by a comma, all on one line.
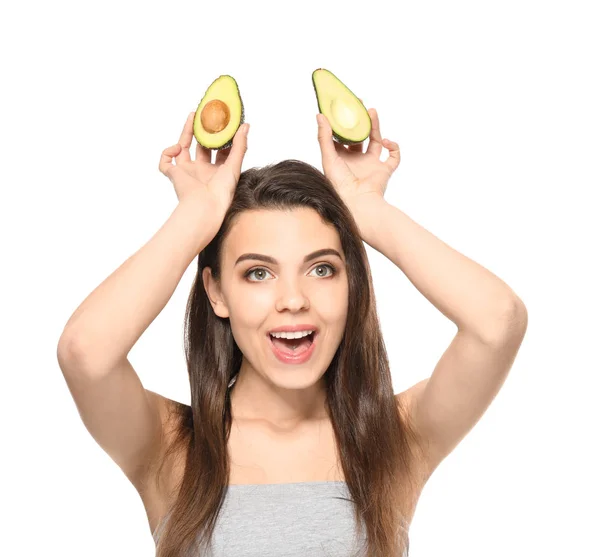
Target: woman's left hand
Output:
[(357, 176)]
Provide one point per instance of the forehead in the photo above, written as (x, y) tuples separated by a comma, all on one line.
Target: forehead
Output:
[(280, 233)]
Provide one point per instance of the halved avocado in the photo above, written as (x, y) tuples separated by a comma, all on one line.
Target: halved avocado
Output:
[(349, 120), (219, 114)]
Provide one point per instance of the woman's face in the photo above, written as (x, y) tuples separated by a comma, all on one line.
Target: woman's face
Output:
[(258, 296)]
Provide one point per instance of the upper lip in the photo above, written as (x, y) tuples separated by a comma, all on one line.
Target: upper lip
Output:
[(294, 328)]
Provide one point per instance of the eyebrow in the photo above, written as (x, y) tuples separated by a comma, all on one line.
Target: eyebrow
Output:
[(272, 260)]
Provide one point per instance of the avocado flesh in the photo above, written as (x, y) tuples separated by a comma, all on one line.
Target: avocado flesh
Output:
[(349, 120), (219, 114)]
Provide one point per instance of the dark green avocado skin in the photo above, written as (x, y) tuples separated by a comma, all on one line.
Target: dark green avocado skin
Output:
[(230, 142), (338, 138)]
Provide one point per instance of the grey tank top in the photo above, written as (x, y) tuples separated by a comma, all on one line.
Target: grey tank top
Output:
[(306, 519)]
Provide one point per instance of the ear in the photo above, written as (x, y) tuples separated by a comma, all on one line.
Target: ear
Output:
[(213, 291)]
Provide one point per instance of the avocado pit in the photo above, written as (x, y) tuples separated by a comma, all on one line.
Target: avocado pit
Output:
[(215, 116)]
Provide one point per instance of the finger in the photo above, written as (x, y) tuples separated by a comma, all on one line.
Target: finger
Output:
[(238, 150), (324, 136), (186, 139), (166, 158), (222, 155), (202, 153), (393, 160), (375, 144)]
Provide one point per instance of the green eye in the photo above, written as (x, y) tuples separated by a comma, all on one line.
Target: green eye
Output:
[(255, 269)]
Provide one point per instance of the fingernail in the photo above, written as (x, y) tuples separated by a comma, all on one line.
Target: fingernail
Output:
[(319, 119), (246, 129)]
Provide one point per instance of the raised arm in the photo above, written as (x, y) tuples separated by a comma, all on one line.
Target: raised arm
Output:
[(125, 419)]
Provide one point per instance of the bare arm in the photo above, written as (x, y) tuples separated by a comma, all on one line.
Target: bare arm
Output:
[(106, 326), (126, 420)]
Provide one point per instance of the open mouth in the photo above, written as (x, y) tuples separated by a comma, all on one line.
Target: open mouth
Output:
[(293, 349), (293, 345)]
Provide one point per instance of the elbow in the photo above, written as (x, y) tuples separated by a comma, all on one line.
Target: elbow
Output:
[(509, 323), (78, 354), (73, 354), (68, 352)]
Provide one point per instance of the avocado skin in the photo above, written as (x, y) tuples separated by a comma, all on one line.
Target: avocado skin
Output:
[(338, 138), (230, 142)]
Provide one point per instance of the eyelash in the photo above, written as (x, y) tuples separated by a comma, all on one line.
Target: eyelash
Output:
[(333, 271)]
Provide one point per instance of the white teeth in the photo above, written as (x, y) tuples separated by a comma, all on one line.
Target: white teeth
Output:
[(297, 334)]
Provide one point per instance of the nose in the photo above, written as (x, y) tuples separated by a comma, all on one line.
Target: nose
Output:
[(291, 297)]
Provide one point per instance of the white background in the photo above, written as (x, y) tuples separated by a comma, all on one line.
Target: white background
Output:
[(495, 108)]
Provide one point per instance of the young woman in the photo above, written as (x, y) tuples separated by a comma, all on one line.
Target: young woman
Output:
[(291, 446)]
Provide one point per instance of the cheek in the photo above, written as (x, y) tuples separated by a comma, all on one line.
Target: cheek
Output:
[(331, 306), (250, 309), (254, 301)]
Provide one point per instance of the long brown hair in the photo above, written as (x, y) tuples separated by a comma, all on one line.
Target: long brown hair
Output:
[(376, 442)]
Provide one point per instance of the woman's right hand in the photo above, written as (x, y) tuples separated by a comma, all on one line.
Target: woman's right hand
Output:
[(200, 181)]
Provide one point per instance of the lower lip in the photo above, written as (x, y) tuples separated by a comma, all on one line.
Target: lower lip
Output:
[(290, 358)]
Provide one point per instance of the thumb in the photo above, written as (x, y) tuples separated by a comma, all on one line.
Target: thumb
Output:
[(324, 137)]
